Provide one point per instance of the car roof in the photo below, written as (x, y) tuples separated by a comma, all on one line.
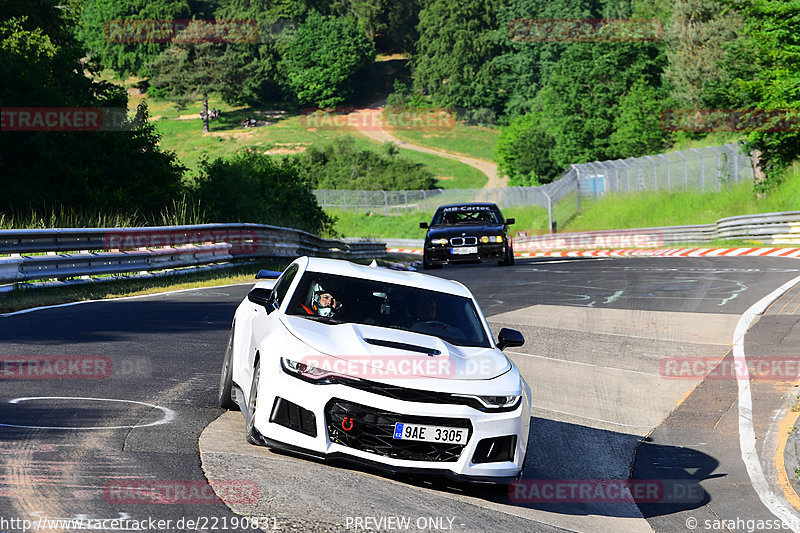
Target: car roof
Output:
[(462, 204), (399, 277)]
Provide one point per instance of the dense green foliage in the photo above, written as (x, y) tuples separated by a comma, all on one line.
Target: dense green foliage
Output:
[(107, 29), (40, 66), (322, 58), (559, 100), (522, 152), (267, 191), (454, 52), (772, 28), (342, 165)]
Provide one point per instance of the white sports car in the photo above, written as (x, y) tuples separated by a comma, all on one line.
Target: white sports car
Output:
[(395, 370)]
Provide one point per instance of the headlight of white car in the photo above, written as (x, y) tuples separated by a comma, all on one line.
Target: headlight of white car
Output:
[(494, 402), (311, 374)]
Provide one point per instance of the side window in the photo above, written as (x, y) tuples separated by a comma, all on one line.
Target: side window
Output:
[(282, 286)]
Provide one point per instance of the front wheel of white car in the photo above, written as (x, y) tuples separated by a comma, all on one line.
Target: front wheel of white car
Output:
[(226, 377), (251, 433)]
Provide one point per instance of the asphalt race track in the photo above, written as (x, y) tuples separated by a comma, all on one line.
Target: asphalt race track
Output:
[(615, 353)]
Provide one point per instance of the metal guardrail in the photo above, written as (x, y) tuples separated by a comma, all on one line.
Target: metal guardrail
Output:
[(762, 229), (98, 251)]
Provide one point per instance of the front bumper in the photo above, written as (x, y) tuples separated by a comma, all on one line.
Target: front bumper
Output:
[(373, 415), (486, 252)]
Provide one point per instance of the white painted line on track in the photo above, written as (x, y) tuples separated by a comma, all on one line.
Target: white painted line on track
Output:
[(169, 414), (590, 418), (584, 364), (747, 434)]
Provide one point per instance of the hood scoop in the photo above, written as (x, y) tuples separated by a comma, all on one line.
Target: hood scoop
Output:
[(403, 346)]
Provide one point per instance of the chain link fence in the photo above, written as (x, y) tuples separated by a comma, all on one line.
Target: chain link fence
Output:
[(704, 169)]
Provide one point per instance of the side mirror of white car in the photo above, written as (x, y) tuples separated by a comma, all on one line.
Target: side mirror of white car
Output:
[(262, 297), (509, 338)]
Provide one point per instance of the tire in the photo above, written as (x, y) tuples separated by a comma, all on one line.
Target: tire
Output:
[(508, 260), (251, 433), (427, 264), (226, 377)]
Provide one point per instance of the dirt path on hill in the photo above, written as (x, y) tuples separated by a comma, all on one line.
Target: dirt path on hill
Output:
[(368, 122)]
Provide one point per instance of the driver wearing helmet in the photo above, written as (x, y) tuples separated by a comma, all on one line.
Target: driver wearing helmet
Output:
[(323, 304)]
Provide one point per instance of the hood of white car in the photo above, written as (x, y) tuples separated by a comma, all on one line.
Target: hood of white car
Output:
[(372, 352)]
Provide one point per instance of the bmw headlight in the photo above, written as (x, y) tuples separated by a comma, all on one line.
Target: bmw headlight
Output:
[(439, 242), (491, 238), (491, 403)]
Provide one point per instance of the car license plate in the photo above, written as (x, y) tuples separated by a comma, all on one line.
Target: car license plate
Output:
[(464, 250), (430, 433)]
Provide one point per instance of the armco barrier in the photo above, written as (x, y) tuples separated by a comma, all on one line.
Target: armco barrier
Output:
[(99, 251), (763, 229)]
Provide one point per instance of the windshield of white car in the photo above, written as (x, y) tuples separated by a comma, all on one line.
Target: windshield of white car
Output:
[(452, 318)]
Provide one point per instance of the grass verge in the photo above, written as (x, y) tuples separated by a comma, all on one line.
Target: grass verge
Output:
[(472, 141), (646, 210)]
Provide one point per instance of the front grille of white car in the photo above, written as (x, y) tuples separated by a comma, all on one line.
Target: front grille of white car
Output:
[(418, 395), (372, 430)]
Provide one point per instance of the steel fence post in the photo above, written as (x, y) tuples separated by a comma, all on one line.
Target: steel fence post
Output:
[(702, 169), (669, 179), (627, 174), (655, 171), (685, 171), (719, 171), (549, 212)]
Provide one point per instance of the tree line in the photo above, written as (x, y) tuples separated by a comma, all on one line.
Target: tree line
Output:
[(558, 100), (562, 99)]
